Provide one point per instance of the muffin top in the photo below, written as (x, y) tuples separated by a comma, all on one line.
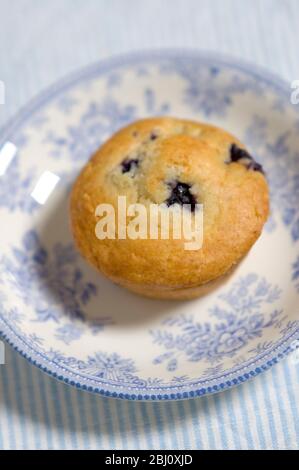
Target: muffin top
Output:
[(172, 162)]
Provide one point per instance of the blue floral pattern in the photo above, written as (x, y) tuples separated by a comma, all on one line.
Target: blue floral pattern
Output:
[(240, 319), (49, 280), (68, 333), (115, 369), (282, 172), (97, 123), (295, 276), (152, 107), (15, 189), (106, 366), (203, 92)]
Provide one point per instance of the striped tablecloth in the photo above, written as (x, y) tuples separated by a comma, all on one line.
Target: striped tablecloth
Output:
[(40, 41)]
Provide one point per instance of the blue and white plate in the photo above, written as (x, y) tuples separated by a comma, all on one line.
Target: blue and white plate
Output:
[(80, 328)]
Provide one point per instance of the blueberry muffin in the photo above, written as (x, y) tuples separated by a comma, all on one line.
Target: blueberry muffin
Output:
[(171, 162)]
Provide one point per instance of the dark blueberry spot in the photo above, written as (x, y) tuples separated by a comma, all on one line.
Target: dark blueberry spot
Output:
[(256, 167), (153, 136), (240, 155), (180, 194), (135, 134), (129, 164), (236, 154)]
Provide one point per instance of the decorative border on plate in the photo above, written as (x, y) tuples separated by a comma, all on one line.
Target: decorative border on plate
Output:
[(232, 380), (34, 357)]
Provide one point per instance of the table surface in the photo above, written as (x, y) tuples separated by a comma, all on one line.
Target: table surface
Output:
[(40, 42)]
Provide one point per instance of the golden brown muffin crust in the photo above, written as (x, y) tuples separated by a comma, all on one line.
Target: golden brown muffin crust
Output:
[(235, 202)]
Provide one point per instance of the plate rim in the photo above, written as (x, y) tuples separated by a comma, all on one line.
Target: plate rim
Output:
[(281, 349)]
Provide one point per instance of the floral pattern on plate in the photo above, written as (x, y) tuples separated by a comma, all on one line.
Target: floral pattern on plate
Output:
[(79, 327)]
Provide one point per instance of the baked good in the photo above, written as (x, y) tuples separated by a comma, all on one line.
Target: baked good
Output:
[(171, 162)]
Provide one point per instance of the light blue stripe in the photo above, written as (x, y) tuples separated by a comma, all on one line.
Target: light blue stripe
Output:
[(146, 423), (70, 418), (96, 420), (2, 401), (42, 393), (258, 415), (269, 414), (185, 423), (18, 393), (133, 423), (207, 422), (1, 435), (297, 376), (108, 421), (53, 385), (119, 405), (292, 395), (229, 399), (282, 400), (230, 404), (194, 410), (170, 425), (32, 404), (221, 421), (7, 403), (244, 414), (81, 399), (156, 408)]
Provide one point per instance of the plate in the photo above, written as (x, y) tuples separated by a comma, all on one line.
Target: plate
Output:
[(79, 327)]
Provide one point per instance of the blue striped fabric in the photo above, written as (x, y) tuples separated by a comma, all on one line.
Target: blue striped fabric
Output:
[(36, 412)]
